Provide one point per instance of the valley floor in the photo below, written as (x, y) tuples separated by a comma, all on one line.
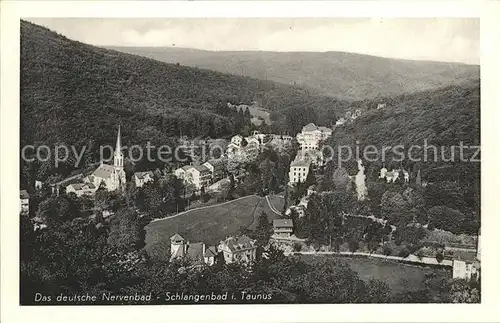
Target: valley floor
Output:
[(400, 277)]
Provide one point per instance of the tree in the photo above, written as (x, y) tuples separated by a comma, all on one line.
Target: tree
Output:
[(387, 250), (439, 256), (353, 245), (445, 218), (263, 229), (395, 209), (340, 178), (126, 231), (403, 253), (462, 292)]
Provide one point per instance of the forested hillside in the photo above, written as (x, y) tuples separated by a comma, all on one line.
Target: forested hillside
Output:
[(72, 92), (338, 74), (428, 128)]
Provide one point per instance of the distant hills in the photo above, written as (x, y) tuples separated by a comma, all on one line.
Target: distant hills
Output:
[(72, 92), (337, 74)]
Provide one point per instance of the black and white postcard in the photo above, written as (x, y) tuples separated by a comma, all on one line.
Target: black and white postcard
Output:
[(245, 161)]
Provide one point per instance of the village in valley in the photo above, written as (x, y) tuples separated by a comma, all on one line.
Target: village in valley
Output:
[(213, 176), (255, 196)]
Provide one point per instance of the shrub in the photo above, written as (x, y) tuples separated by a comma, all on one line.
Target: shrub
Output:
[(397, 242), (439, 256), (412, 248), (205, 197), (297, 247), (387, 250), (353, 245), (420, 254), (404, 253)]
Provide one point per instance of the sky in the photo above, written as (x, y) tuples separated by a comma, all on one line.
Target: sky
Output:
[(437, 39)]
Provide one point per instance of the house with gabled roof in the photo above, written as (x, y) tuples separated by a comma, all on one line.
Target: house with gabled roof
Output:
[(142, 178), (81, 189), (238, 249), (197, 252)]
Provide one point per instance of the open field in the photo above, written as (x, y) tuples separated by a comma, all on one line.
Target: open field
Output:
[(211, 224), (257, 112), (399, 277)]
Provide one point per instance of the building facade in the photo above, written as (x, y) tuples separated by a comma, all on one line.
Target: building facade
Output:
[(240, 249), (311, 136), (299, 169), (283, 228), (142, 178), (81, 189), (24, 202)]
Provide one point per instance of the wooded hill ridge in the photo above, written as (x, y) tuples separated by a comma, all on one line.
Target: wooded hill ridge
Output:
[(342, 75), (72, 92)]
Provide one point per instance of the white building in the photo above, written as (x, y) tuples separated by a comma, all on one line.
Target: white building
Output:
[(238, 249), (311, 136), (142, 178), (217, 167), (81, 189), (299, 168), (282, 228), (340, 122), (237, 140), (38, 185), (199, 176), (463, 269), (181, 172), (24, 202)]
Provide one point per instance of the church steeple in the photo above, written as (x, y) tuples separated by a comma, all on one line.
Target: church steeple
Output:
[(118, 156)]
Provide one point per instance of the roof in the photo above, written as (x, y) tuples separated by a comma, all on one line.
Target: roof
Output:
[(82, 186), (210, 252), (236, 244), (176, 237), (104, 171), (202, 168), (325, 129), (24, 194), (310, 127), (185, 168), (141, 175), (284, 223), (300, 162), (216, 163)]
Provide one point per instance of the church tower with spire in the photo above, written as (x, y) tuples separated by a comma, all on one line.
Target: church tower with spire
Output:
[(111, 177), (119, 178), (118, 156)]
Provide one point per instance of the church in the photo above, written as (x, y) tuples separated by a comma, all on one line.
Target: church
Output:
[(112, 177)]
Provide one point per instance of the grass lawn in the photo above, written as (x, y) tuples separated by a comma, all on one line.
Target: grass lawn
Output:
[(399, 277), (209, 225)]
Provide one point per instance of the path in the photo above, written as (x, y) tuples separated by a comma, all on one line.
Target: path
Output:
[(409, 259), (272, 207), (202, 208)]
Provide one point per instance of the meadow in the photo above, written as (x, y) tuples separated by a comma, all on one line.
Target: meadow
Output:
[(211, 224)]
